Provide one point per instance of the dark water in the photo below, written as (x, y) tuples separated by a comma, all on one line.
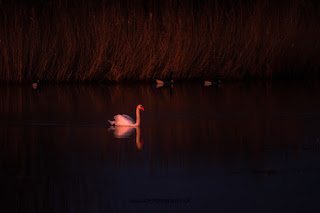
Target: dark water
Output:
[(251, 147)]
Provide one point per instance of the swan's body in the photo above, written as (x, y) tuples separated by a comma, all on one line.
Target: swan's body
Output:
[(126, 120)]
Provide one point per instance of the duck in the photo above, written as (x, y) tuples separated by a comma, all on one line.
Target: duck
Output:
[(165, 82), (126, 120), (35, 84), (214, 82)]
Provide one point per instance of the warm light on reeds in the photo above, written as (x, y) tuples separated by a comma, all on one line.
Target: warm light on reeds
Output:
[(108, 41)]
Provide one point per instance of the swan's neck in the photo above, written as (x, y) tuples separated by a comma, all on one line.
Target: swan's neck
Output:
[(137, 117)]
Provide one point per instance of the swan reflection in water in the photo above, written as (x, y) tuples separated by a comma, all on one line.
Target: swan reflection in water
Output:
[(126, 132)]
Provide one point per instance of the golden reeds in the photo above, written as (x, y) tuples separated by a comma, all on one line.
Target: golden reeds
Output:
[(140, 40)]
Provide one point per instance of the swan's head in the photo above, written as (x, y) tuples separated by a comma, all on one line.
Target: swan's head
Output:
[(140, 107)]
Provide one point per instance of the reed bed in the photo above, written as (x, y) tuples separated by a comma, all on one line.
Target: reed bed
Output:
[(110, 41)]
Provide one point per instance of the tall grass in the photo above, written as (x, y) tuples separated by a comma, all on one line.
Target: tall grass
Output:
[(103, 40)]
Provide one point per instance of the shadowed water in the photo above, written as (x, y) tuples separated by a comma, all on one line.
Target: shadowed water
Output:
[(242, 147)]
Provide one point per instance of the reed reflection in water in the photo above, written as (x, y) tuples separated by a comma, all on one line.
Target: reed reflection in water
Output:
[(253, 145)]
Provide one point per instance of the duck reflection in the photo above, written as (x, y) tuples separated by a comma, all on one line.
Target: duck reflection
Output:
[(126, 132)]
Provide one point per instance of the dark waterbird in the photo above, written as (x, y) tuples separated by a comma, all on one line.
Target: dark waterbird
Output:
[(35, 84), (165, 81), (213, 82)]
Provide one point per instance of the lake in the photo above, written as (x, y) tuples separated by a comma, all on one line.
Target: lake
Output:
[(241, 147)]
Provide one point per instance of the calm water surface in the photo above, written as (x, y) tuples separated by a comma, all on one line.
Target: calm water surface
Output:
[(244, 147)]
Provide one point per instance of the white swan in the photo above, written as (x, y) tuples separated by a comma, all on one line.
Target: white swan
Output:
[(126, 120)]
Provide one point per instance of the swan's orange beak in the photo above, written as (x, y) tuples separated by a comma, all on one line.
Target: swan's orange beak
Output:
[(142, 108)]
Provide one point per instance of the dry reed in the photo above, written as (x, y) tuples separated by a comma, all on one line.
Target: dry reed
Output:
[(104, 41)]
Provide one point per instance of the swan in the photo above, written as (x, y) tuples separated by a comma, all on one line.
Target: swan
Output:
[(126, 120)]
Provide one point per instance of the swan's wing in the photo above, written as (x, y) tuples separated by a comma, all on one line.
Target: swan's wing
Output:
[(128, 117), (123, 120)]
